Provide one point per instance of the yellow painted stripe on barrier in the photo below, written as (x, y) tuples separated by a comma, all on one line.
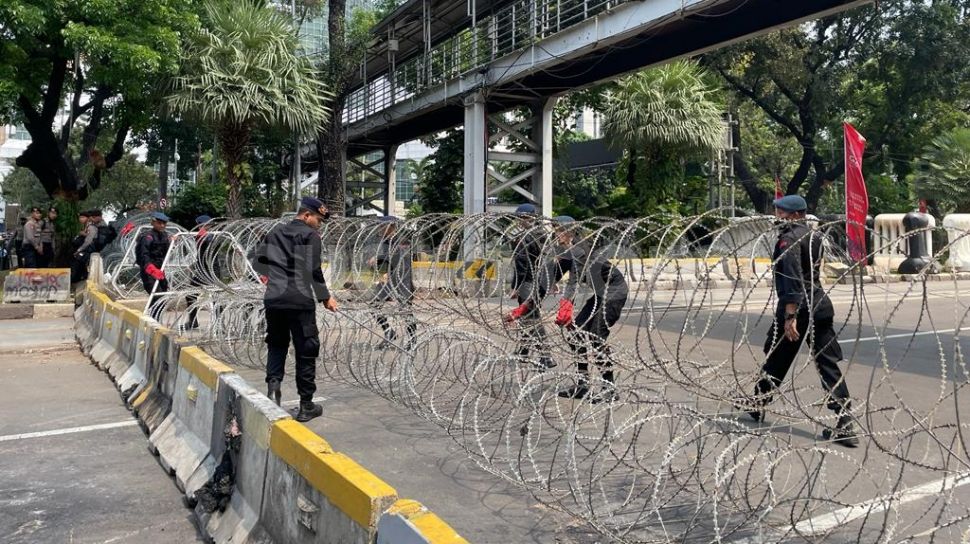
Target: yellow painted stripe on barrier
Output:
[(347, 485), (431, 527), (202, 365)]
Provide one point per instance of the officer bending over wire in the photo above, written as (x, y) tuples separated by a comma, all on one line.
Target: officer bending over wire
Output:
[(802, 302), (530, 282), (394, 260), (290, 259), (590, 329), (150, 256)]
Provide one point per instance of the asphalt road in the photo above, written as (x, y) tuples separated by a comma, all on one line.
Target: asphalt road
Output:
[(74, 465)]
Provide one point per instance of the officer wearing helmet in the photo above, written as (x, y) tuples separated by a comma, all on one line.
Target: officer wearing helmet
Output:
[(289, 258), (804, 311), (529, 283), (150, 255), (393, 260), (589, 330)]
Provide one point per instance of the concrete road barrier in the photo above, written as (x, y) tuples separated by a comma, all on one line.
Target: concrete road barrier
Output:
[(241, 407), (409, 522), (37, 285), (184, 439), (251, 473), (320, 496)]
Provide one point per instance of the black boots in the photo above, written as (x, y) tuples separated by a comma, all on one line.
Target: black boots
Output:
[(308, 411), (273, 391), (843, 433)]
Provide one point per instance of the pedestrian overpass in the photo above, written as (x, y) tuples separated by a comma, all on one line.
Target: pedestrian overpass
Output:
[(436, 64)]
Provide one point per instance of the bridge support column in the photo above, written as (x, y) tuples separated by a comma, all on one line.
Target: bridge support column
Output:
[(370, 182), (542, 179), (476, 137)]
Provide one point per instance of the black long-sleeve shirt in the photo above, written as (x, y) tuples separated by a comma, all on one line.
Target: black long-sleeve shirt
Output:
[(290, 256), (797, 261), (528, 276), (592, 267), (394, 257)]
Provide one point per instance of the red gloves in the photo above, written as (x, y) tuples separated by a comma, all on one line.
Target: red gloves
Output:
[(201, 234), (154, 272), (264, 279), (518, 312), (129, 226), (565, 315)]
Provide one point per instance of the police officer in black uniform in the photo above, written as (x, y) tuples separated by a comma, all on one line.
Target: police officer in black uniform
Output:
[(290, 259), (530, 283), (587, 334), (150, 257), (394, 260), (802, 302)]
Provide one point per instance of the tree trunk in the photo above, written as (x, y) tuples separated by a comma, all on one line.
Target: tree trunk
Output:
[(233, 142), (330, 146), (330, 183), (631, 168)]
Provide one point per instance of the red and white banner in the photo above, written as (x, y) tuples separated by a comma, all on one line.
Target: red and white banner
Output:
[(778, 192), (856, 197)]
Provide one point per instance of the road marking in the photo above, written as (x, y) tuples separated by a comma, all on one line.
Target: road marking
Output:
[(891, 336), (70, 430), (842, 516)]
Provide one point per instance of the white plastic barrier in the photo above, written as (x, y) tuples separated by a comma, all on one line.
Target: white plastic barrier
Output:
[(889, 240), (957, 227)]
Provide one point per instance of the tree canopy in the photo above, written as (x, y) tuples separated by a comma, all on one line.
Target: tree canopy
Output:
[(91, 66)]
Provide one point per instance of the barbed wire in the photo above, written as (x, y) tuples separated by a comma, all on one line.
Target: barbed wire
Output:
[(658, 449)]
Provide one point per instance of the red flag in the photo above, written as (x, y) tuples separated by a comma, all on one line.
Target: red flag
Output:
[(856, 198), (778, 192)]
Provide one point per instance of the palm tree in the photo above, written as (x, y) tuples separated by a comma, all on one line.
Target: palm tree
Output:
[(943, 171), (662, 115), (242, 72)]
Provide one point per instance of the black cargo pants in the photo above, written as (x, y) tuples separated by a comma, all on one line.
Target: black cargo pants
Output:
[(301, 326), (826, 352)]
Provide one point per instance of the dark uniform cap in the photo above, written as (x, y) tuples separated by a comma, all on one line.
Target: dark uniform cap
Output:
[(791, 203), (159, 216), (387, 219), (315, 205), (564, 220), (529, 209), (202, 219)]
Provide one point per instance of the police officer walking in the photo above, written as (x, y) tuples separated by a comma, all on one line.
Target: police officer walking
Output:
[(587, 334), (150, 257), (290, 259), (530, 282), (394, 260), (802, 302)]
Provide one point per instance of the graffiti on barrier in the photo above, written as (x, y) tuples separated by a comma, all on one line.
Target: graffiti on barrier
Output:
[(37, 285)]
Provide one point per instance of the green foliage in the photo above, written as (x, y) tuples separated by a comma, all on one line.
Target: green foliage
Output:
[(674, 106), (441, 187), (943, 171), (124, 48), (663, 117), (242, 71), (583, 193), (199, 199), (898, 71), (125, 186)]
